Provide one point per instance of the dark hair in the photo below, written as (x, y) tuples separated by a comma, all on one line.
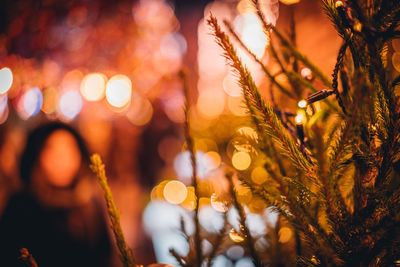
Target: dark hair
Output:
[(35, 142)]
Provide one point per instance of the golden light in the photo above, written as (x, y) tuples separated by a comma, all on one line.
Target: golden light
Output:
[(300, 118), (290, 2), (119, 91), (6, 80), (93, 86), (285, 234), (241, 160), (259, 175), (190, 201), (235, 236), (175, 192), (302, 104), (217, 204)]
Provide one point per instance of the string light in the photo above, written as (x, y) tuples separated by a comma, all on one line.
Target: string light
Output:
[(302, 104), (300, 118), (119, 91)]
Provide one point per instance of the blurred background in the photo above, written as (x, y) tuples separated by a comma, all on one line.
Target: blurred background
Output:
[(110, 70)]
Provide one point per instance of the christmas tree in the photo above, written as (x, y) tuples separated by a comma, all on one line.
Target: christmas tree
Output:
[(332, 165)]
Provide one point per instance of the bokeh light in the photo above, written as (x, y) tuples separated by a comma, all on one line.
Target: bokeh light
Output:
[(175, 192), (30, 103), (285, 234), (119, 91), (70, 104), (93, 86), (6, 79), (302, 103), (241, 160), (259, 175)]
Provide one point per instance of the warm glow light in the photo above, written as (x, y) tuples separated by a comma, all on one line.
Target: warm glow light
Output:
[(70, 104), (300, 118), (119, 91), (30, 103), (302, 104), (175, 192), (6, 80), (93, 86), (259, 175), (241, 160), (285, 234)]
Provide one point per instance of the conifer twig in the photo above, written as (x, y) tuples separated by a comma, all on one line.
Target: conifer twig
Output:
[(190, 147), (254, 101), (243, 225), (98, 168)]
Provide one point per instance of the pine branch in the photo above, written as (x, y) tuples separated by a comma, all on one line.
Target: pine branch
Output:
[(254, 101), (125, 252), (190, 147)]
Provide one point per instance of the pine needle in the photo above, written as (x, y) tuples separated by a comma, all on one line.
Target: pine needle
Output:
[(125, 252)]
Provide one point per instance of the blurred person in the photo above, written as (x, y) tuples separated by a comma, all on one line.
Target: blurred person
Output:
[(57, 214)]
